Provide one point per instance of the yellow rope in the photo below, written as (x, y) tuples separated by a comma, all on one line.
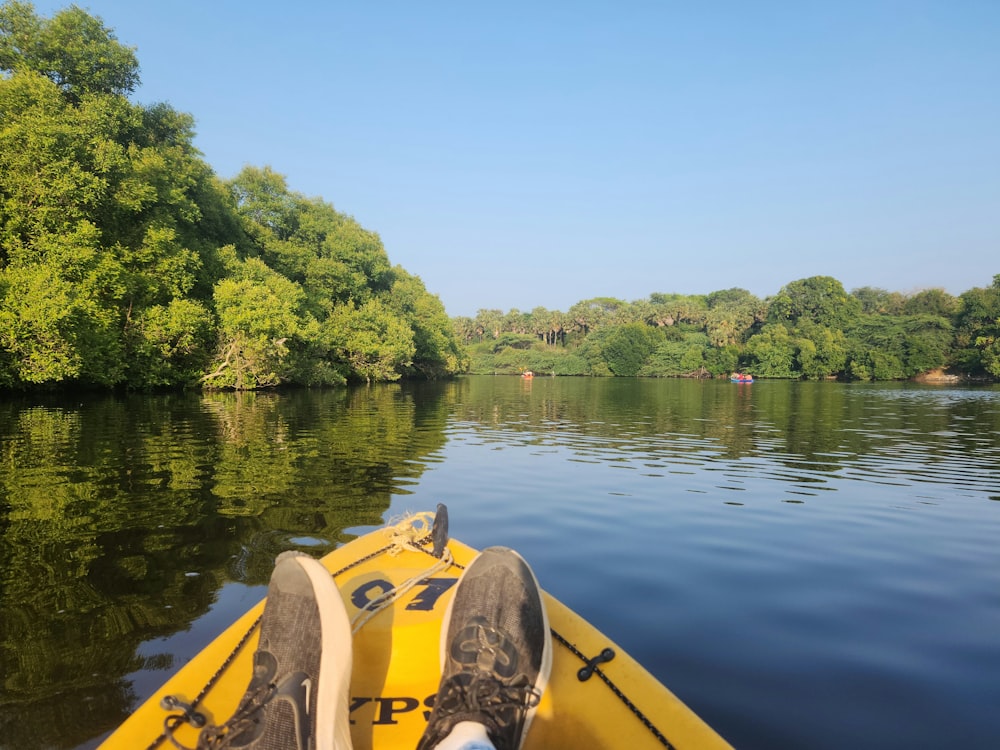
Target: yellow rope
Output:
[(404, 532)]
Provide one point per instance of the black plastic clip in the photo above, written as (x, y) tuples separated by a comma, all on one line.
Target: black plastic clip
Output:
[(173, 703), (587, 672), (439, 532)]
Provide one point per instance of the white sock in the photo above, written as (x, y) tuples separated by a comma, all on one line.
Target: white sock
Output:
[(466, 735)]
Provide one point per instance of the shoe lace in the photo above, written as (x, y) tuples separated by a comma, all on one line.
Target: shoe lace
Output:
[(483, 697), (247, 714)]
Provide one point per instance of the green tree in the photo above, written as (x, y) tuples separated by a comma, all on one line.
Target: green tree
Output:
[(978, 330), (892, 347), (569, 363), (665, 360), (626, 348), (172, 344), (513, 341), (720, 361), (259, 312), (693, 359), (932, 302), (308, 241), (822, 351), (927, 343), (515, 321), (817, 299), (596, 313), (489, 323), (269, 209), (101, 200), (771, 353), (371, 339), (56, 323), (548, 325), (54, 162), (731, 316), (42, 327), (75, 50), (683, 355), (436, 353), (876, 301), (123, 259), (361, 264), (465, 329), (671, 309)]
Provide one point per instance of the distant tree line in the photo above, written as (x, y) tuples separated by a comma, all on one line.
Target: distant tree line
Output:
[(124, 261), (812, 328)]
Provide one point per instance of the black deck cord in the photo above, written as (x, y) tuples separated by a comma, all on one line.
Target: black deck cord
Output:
[(616, 690)]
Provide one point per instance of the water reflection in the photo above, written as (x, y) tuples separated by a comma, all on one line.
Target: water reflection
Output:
[(805, 436), (124, 517), (123, 521)]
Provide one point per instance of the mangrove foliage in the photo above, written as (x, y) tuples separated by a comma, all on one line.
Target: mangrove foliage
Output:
[(125, 261)]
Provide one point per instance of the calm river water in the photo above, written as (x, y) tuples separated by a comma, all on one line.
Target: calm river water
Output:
[(808, 565)]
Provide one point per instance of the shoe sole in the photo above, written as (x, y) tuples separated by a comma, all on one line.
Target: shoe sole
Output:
[(544, 670)]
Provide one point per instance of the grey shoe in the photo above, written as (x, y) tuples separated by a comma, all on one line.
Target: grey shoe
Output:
[(496, 652), (297, 697)]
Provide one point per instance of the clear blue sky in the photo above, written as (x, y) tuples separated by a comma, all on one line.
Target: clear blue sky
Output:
[(524, 154)]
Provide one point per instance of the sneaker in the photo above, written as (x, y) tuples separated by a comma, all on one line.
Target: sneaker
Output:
[(496, 652), (297, 697)]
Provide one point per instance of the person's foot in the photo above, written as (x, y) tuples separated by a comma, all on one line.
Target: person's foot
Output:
[(496, 652), (297, 697)]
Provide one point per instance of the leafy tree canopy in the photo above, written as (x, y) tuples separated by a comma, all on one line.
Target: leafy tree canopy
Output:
[(869, 334), (125, 261), (818, 299), (73, 49)]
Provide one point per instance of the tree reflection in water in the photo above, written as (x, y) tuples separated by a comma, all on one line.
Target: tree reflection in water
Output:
[(123, 517)]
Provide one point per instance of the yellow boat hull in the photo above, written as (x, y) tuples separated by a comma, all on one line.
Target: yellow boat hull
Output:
[(397, 667)]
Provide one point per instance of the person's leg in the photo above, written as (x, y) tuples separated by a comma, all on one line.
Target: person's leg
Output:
[(466, 735), (496, 654), (298, 696)]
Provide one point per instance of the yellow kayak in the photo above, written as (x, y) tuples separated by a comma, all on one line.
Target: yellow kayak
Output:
[(396, 591)]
